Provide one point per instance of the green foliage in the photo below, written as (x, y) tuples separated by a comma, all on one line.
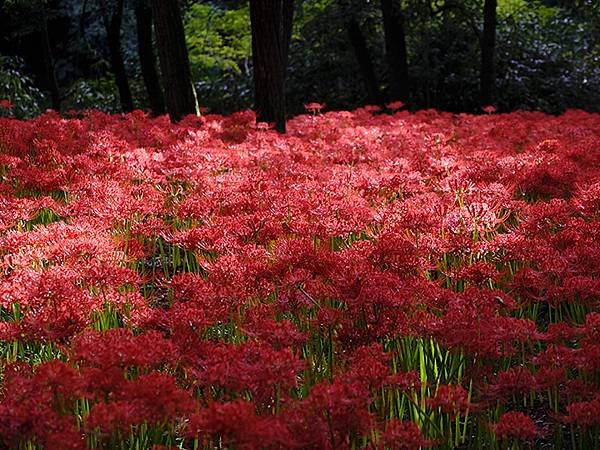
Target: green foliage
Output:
[(443, 57), (322, 66), (218, 39), (547, 60), (220, 52), (19, 88), (100, 93), (547, 55)]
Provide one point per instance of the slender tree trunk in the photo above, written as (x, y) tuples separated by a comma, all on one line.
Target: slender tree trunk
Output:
[(180, 96), (143, 17), (488, 45), (49, 63), (395, 49), (359, 44), (113, 31), (271, 23)]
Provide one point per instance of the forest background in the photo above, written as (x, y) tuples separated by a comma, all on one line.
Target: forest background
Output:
[(547, 55)]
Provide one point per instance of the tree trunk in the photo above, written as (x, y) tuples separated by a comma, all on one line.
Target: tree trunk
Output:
[(143, 18), (113, 31), (271, 23), (488, 44), (395, 49), (359, 44), (180, 95), (49, 63)]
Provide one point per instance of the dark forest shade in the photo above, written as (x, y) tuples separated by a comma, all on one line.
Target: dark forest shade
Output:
[(271, 23), (359, 45), (113, 32), (49, 62), (461, 54), (395, 49), (143, 18), (174, 62), (488, 45)]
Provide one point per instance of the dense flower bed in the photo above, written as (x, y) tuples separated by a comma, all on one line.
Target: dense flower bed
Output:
[(368, 280)]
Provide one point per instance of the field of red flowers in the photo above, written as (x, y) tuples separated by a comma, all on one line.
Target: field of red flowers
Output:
[(382, 281)]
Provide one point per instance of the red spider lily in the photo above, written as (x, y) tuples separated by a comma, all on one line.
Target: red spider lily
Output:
[(193, 292), (548, 377), (35, 406), (395, 252), (151, 399), (479, 273), (369, 366), (562, 333), (314, 108), (6, 104), (332, 412), (120, 348), (403, 435), (592, 326), (243, 264), (577, 389), (395, 105), (515, 425), (585, 358), (54, 306), (584, 414), (236, 423), (280, 334), (253, 367), (588, 198), (264, 126), (513, 381), (482, 333), (371, 108), (451, 399)]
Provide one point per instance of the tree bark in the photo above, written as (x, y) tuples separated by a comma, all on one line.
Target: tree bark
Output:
[(359, 44), (143, 18), (49, 63), (113, 31), (180, 95), (271, 24), (488, 45), (395, 49)]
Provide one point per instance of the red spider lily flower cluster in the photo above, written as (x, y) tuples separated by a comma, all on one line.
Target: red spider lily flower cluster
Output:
[(515, 425), (366, 281), (314, 107), (393, 106)]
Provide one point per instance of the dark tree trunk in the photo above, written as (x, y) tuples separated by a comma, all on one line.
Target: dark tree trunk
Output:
[(143, 18), (179, 91), (395, 49), (359, 44), (113, 31), (271, 23), (488, 45), (288, 22), (49, 63)]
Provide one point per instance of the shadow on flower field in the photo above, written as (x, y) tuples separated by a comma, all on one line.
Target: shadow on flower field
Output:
[(366, 281)]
